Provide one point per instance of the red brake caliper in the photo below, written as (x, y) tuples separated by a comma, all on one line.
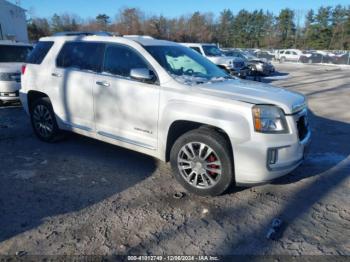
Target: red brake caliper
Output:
[(211, 158)]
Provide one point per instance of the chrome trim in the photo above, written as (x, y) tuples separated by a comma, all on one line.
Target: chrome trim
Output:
[(126, 140)]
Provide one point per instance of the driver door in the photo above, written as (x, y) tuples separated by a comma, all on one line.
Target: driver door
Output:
[(126, 109)]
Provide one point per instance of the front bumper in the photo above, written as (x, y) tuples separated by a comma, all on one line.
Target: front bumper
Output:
[(240, 72), (266, 69), (9, 91), (269, 156)]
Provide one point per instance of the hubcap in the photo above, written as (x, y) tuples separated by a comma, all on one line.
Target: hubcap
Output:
[(42, 119), (199, 165)]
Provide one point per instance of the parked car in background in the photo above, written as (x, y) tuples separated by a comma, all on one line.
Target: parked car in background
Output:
[(233, 65), (313, 57), (259, 65), (341, 59), (167, 101), (12, 57), (265, 55), (289, 55)]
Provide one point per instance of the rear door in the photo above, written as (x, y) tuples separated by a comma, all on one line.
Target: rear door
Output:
[(73, 79), (294, 56), (126, 109)]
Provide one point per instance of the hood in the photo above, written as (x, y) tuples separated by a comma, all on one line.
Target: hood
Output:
[(254, 93), (224, 60), (220, 60), (10, 67)]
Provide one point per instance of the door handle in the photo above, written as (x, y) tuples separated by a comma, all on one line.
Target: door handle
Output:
[(56, 74), (103, 83)]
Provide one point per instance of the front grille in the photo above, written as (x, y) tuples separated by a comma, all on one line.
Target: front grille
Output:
[(302, 126)]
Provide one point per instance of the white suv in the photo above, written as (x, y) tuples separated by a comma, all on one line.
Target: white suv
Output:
[(165, 100), (289, 55), (12, 57)]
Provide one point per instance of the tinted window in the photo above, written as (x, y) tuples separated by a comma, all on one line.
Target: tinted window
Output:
[(12, 53), (40, 51), (119, 60), (196, 49), (211, 50), (81, 55)]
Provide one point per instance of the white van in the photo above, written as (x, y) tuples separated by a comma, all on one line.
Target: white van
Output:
[(12, 57)]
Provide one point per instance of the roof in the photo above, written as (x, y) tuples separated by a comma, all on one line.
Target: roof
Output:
[(145, 41), (12, 4), (197, 44)]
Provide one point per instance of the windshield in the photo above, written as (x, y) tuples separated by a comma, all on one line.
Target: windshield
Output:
[(185, 64), (212, 50), (12, 53)]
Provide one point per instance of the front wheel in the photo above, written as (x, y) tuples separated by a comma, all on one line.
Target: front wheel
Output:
[(44, 120), (201, 162)]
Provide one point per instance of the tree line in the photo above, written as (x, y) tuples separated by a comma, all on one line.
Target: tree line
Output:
[(326, 28)]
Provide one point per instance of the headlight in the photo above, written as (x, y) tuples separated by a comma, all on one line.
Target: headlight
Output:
[(259, 65), (269, 119)]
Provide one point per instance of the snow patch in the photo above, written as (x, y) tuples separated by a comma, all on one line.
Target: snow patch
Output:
[(276, 77)]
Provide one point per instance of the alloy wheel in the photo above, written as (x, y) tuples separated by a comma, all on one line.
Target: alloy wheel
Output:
[(199, 165), (43, 121)]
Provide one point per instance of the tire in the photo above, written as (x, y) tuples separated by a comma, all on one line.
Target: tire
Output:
[(192, 172), (43, 120), (309, 61), (283, 59)]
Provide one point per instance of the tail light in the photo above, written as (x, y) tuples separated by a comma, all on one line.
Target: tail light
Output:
[(23, 69)]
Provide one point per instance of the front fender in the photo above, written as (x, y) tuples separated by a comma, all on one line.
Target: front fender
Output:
[(234, 123)]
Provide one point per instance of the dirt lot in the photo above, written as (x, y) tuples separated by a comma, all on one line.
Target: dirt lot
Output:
[(82, 196)]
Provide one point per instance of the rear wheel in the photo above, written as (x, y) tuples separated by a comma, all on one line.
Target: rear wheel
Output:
[(201, 162), (44, 120)]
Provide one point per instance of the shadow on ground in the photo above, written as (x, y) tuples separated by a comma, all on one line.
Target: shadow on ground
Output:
[(40, 180)]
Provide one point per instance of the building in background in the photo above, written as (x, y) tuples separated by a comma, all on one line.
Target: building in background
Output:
[(13, 24)]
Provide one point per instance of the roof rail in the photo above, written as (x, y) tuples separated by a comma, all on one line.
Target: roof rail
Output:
[(85, 33), (138, 36)]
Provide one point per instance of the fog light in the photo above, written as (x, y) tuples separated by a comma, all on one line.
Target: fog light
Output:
[(272, 156)]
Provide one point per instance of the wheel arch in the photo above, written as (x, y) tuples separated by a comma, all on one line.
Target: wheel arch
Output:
[(33, 95), (179, 127)]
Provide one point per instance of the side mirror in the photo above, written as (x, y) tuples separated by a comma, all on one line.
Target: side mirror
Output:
[(142, 74)]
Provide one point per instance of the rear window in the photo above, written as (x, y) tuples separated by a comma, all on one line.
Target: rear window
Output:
[(13, 53), (40, 51), (81, 55)]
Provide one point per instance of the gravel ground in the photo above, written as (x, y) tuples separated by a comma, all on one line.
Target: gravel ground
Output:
[(82, 196)]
